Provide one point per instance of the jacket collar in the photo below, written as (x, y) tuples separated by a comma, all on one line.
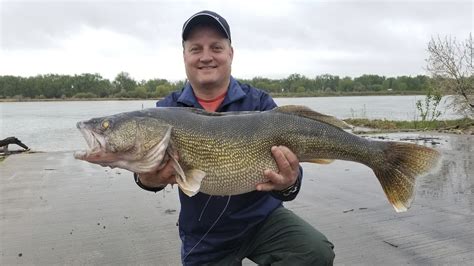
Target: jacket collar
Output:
[(234, 93)]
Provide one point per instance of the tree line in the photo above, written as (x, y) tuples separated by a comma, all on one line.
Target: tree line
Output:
[(54, 86), (86, 85)]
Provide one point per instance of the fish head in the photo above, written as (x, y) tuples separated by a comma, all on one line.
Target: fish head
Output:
[(126, 141)]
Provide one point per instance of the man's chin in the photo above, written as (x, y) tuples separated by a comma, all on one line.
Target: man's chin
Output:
[(208, 82)]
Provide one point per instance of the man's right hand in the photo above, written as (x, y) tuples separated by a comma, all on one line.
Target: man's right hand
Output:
[(164, 176)]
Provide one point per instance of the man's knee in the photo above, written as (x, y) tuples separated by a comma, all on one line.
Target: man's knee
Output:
[(321, 252), (317, 248)]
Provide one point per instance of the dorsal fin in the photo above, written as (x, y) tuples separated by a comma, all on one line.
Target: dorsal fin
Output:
[(304, 111)]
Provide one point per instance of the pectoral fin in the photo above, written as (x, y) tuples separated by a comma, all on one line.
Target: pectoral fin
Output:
[(193, 182), (190, 181)]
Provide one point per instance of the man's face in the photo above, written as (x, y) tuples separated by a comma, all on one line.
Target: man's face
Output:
[(207, 58)]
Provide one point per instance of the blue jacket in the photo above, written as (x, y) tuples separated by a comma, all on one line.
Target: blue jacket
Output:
[(244, 212)]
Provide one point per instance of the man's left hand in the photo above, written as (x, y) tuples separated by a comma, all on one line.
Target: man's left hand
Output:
[(288, 170)]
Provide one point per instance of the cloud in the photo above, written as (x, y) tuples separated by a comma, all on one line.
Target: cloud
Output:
[(271, 38)]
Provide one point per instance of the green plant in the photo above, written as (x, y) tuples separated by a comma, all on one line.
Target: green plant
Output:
[(428, 108)]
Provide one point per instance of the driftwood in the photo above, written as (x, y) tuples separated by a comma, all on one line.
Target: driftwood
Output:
[(12, 140)]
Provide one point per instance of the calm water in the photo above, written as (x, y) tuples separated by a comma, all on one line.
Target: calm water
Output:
[(51, 126)]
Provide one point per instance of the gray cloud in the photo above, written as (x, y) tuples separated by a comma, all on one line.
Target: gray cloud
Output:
[(40, 24), (390, 35)]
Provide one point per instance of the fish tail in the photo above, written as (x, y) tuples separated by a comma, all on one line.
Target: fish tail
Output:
[(399, 167)]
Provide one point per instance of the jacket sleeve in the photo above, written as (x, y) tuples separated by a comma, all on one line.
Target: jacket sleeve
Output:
[(266, 102), (151, 189), (168, 101)]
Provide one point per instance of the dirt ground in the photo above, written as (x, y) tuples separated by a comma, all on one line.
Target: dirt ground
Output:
[(58, 210)]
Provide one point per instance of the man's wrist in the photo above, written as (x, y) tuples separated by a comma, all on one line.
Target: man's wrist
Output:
[(289, 190), (145, 187)]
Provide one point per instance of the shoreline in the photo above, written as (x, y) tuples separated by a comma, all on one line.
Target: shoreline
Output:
[(289, 95)]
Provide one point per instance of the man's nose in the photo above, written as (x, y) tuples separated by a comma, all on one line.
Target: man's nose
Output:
[(206, 56)]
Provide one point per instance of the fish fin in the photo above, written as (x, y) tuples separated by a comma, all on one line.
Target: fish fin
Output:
[(397, 171), (193, 184), (177, 167), (306, 112), (320, 161), (190, 181)]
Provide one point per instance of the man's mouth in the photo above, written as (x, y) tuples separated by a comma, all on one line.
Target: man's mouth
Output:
[(207, 67)]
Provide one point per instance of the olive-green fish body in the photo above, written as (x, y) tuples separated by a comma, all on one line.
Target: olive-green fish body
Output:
[(226, 153)]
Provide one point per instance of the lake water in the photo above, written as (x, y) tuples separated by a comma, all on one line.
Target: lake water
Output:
[(51, 126)]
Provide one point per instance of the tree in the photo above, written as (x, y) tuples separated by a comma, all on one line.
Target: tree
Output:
[(140, 92), (327, 82), (163, 89), (9, 86), (451, 66), (292, 82), (368, 80), (345, 84), (124, 83)]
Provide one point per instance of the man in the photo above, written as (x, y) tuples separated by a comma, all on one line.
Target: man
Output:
[(224, 230)]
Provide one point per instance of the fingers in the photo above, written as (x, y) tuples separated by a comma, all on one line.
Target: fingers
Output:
[(285, 159), (288, 170), (166, 175), (168, 172), (275, 181)]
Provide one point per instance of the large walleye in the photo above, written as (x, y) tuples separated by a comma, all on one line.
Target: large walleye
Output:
[(226, 153)]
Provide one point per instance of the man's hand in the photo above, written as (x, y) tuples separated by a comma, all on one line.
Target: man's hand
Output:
[(164, 176), (288, 170)]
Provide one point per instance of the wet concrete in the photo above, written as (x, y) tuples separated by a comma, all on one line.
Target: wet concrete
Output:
[(57, 210)]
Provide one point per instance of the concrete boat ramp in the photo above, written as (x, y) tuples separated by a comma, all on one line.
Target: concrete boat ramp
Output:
[(55, 210)]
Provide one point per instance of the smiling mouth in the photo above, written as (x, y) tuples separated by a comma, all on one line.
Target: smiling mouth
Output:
[(207, 67)]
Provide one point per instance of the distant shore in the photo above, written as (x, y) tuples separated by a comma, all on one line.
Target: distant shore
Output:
[(274, 95)]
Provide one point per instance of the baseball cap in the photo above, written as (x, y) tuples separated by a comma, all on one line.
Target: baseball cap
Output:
[(206, 17)]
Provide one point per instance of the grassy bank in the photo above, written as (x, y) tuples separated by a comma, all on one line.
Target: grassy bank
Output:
[(348, 93), (455, 126)]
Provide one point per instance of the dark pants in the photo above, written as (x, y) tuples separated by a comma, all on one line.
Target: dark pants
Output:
[(284, 239)]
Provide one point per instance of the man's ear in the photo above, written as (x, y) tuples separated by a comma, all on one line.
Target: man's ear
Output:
[(184, 52), (232, 53), (183, 43)]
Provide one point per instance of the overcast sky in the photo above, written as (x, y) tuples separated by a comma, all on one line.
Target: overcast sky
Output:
[(270, 38)]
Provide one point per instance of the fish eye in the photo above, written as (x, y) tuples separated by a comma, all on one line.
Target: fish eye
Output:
[(105, 124)]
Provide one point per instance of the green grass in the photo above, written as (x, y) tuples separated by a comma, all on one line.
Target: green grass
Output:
[(391, 125)]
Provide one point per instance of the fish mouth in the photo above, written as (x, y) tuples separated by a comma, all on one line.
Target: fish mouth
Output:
[(96, 151)]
